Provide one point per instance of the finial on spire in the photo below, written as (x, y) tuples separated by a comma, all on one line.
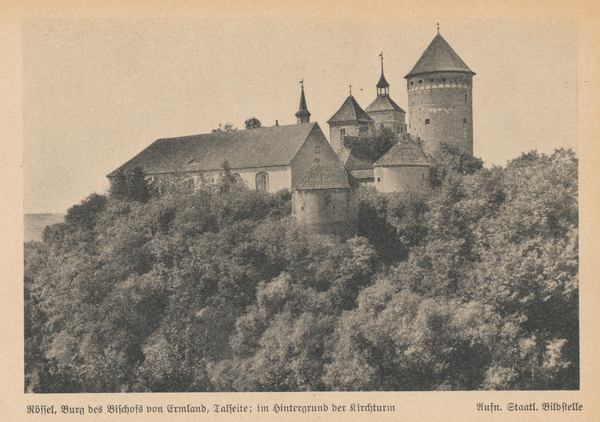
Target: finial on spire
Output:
[(302, 83), (381, 55), (438, 25), (350, 90)]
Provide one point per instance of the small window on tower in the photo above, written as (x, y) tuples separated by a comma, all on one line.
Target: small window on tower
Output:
[(420, 81), (466, 96), (317, 149), (412, 82), (464, 120), (427, 121), (343, 132), (443, 79), (431, 80)]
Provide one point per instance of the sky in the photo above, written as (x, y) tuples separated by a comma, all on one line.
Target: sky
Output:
[(98, 91)]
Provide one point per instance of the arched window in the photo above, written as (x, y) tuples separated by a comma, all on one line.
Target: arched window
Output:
[(262, 181), (427, 121), (420, 81), (317, 149)]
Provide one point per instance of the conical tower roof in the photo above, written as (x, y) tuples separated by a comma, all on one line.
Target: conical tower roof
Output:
[(405, 153), (325, 176), (439, 57), (350, 111)]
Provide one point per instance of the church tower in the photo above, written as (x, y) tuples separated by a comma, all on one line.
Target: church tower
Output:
[(440, 100), (384, 111), (302, 116)]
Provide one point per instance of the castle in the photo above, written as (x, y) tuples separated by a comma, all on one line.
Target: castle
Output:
[(323, 174)]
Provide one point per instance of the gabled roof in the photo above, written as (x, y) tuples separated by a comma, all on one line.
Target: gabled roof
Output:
[(404, 153), (383, 103), (260, 147), (439, 57), (325, 176), (350, 111)]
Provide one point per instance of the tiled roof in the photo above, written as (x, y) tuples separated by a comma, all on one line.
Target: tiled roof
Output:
[(260, 147), (350, 111), (405, 152), (383, 103), (439, 57), (325, 176)]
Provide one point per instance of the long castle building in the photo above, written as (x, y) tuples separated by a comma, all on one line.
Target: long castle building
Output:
[(324, 174)]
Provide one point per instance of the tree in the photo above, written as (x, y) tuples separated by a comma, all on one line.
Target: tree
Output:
[(228, 127), (131, 185), (252, 123), (371, 148)]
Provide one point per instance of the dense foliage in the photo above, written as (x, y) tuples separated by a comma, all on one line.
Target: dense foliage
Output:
[(471, 285), (371, 148)]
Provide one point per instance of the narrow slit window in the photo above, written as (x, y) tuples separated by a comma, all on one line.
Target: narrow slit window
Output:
[(427, 122)]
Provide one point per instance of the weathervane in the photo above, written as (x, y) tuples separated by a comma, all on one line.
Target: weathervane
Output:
[(302, 83)]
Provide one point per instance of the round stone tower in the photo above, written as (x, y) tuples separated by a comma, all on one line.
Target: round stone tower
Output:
[(440, 100)]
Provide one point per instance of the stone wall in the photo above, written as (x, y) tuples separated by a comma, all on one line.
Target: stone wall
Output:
[(401, 178), (326, 209)]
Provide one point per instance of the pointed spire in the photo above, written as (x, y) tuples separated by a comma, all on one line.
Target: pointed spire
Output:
[(382, 85), (303, 115)]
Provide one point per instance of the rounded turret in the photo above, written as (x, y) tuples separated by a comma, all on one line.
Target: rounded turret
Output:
[(440, 99)]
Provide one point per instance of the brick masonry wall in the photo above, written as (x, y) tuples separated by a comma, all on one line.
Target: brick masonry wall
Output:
[(441, 110)]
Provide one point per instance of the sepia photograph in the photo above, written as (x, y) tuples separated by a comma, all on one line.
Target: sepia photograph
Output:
[(327, 213), (417, 231)]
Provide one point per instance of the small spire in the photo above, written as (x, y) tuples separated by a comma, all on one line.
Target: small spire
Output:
[(303, 115), (382, 85)]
